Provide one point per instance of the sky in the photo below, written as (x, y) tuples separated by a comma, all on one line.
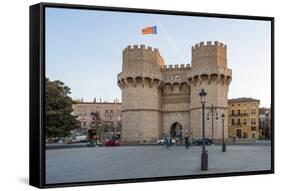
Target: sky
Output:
[(84, 49)]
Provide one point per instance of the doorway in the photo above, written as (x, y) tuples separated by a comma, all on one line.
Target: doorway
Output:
[(176, 130)]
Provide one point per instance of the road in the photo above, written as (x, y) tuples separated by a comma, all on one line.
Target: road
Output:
[(107, 163)]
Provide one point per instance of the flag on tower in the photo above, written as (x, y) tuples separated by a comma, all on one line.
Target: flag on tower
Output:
[(149, 30)]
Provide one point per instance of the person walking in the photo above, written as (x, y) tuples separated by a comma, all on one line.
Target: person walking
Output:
[(166, 142), (186, 142)]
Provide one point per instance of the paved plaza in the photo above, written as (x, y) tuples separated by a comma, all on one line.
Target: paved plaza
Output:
[(108, 163)]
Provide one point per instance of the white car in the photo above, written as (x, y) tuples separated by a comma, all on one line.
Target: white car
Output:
[(161, 141)]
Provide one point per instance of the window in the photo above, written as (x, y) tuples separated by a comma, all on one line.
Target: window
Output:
[(238, 122), (84, 123), (232, 112), (253, 128), (232, 122), (245, 121), (253, 111), (238, 112), (109, 123), (253, 136), (239, 133), (253, 121)]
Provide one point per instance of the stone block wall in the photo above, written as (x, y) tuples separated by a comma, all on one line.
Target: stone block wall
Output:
[(155, 96)]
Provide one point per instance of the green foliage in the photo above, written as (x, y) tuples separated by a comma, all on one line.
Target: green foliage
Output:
[(58, 107)]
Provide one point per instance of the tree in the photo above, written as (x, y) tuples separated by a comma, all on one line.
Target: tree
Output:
[(58, 107)]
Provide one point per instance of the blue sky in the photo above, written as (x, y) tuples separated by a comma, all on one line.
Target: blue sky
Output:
[(84, 48)]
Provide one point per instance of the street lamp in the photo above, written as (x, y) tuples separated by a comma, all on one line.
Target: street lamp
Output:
[(204, 155), (212, 110), (223, 143)]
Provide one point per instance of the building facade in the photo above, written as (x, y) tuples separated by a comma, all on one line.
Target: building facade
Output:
[(263, 122), (243, 118), (268, 122), (103, 118), (160, 99)]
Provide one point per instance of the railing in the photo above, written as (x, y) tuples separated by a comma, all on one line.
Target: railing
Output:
[(236, 124), (238, 114)]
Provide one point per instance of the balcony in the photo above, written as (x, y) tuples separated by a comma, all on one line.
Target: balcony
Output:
[(237, 124), (238, 114)]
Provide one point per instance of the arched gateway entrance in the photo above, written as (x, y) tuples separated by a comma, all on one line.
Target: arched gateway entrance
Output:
[(176, 130)]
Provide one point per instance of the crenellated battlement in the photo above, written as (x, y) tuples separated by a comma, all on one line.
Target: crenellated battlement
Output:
[(210, 53), (140, 48), (176, 67), (209, 44), (139, 57)]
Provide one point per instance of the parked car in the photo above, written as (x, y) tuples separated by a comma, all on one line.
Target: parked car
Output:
[(81, 139), (112, 143), (70, 141), (200, 141), (161, 141), (92, 143)]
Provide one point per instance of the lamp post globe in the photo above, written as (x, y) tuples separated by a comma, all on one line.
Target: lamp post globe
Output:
[(203, 95)]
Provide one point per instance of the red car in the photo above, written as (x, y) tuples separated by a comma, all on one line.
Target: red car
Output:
[(112, 143)]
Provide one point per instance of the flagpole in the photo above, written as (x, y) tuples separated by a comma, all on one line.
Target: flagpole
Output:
[(169, 39), (148, 32)]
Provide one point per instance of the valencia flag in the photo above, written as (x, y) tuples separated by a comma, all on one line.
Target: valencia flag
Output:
[(149, 30)]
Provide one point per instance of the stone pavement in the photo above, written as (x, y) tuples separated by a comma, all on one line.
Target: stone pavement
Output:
[(108, 163)]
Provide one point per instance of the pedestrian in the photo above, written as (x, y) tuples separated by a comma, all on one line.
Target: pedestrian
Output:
[(186, 142), (166, 141), (177, 140)]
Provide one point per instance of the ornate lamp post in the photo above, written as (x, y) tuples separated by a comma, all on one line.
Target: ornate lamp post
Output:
[(212, 110), (223, 143), (204, 155)]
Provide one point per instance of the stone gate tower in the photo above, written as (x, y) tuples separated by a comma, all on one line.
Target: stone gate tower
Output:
[(140, 82), (162, 100), (209, 72)]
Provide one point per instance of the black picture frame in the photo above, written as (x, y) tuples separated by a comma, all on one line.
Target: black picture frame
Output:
[(37, 92)]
